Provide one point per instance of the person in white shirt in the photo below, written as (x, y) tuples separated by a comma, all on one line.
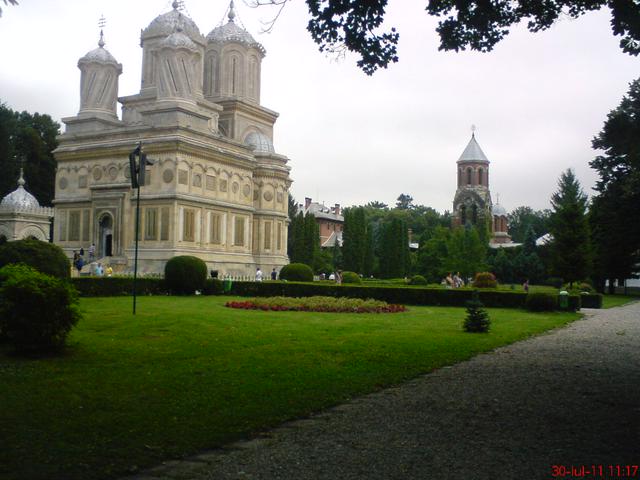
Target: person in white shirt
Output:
[(258, 275)]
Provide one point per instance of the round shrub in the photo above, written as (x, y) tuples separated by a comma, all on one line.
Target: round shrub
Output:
[(296, 272), (418, 280), (351, 277), (485, 280), (37, 311), (185, 274), (541, 302), (43, 256)]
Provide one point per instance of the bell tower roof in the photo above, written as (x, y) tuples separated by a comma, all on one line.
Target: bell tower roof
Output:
[(473, 152)]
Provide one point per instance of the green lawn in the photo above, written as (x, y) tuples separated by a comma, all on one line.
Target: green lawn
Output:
[(187, 374), (610, 301)]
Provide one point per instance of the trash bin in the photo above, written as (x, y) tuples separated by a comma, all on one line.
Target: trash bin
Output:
[(226, 285), (563, 300)]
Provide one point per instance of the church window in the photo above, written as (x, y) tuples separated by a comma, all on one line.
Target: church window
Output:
[(151, 224), (189, 225), (223, 185), (62, 219), (85, 225), (164, 224), (238, 231), (74, 226), (215, 230), (211, 182), (469, 173), (234, 72), (197, 180), (183, 177), (480, 172), (82, 181), (267, 236), (279, 236), (474, 218), (463, 215)]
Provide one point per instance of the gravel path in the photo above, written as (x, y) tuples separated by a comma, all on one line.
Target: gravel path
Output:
[(570, 397)]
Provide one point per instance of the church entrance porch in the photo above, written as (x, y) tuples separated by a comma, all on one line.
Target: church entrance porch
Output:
[(105, 236)]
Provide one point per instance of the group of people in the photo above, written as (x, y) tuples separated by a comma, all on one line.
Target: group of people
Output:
[(97, 269), (453, 281)]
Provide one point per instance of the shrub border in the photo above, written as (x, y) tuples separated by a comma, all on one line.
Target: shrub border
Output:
[(416, 295)]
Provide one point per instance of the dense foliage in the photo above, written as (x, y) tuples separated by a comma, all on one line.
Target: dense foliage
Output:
[(37, 311), (477, 319), (27, 140), (571, 250), (296, 272), (43, 256), (614, 215), (355, 26), (317, 304), (524, 218), (185, 274)]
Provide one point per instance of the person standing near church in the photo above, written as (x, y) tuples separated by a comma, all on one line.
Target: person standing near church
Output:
[(258, 275), (92, 252), (274, 274)]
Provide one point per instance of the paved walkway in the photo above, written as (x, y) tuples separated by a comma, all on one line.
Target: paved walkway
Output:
[(569, 398)]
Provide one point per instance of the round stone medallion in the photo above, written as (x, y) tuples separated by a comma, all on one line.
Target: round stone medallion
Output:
[(246, 190), (127, 173), (280, 197), (235, 187), (167, 176), (268, 196), (113, 173), (63, 183), (97, 173)]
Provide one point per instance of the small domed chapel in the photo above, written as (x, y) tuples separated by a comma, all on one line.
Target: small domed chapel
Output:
[(217, 189)]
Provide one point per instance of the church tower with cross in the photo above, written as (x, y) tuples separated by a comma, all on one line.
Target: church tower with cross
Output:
[(472, 203), (217, 188)]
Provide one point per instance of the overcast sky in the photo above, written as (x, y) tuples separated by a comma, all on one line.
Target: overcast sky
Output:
[(537, 100)]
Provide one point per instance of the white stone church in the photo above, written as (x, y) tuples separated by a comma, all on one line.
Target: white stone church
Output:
[(217, 189)]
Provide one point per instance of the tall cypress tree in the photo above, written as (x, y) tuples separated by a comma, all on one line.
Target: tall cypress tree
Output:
[(354, 240), (571, 253)]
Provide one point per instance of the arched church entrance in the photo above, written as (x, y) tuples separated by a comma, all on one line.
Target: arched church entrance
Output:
[(105, 248)]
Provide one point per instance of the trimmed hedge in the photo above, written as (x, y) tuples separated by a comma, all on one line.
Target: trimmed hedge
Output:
[(542, 302), (43, 256), (296, 272), (418, 280), (406, 296), (591, 300), (118, 286), (351, 277), (185, 274)]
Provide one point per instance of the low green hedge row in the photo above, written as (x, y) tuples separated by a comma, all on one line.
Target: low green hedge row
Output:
[(405, 296), (115, 286)]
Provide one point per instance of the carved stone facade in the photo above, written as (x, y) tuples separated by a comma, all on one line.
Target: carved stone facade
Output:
[(472, 202), (217, 189)]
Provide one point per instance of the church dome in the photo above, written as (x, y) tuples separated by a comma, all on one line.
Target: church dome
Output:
[(179, 40), (19, 198), (167, 23), (498, 211), (230, 32), (259, 142), (99, 55)]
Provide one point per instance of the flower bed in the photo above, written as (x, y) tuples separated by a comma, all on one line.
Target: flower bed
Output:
[(317, 304)]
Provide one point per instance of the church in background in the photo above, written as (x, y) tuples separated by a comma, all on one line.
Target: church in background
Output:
[(217, 189), (472, 202)]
